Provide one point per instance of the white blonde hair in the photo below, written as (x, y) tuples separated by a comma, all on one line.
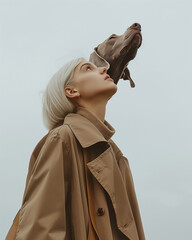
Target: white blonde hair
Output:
[(55, 103)]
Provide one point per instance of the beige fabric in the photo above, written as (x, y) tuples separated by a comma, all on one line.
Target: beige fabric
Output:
[(13, 229), (55, 204)]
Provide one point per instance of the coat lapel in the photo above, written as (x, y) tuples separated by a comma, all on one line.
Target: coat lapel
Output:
[(105, 169)]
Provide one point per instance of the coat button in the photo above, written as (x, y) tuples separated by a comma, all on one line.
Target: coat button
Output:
[(100, 211)]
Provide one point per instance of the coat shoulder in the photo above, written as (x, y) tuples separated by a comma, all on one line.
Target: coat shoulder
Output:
[(63, 133)]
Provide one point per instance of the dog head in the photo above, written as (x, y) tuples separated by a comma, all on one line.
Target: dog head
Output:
[(117, 51)]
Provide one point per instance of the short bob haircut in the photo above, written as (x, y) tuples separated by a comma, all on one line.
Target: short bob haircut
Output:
[(55, 103)]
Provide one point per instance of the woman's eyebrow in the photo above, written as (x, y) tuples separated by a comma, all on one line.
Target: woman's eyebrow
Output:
[(86, 64)]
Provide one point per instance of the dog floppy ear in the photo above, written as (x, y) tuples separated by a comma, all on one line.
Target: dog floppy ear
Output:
[(98, 60), (126, 76)]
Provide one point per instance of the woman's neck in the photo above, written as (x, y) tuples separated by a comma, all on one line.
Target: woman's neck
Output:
[(97, 109)]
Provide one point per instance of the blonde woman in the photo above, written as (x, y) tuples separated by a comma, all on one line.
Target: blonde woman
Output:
[(79, 185)]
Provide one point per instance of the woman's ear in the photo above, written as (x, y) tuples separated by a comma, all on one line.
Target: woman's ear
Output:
[(71, 92)]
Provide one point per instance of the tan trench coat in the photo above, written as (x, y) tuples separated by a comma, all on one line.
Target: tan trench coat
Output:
[(55, 205)]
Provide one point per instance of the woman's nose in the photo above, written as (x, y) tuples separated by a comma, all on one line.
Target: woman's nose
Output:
[(103, 70)]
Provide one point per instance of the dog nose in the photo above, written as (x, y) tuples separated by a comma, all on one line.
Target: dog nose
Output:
[(136, 26)]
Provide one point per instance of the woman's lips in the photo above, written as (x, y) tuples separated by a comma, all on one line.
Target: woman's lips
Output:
[(108, 78)]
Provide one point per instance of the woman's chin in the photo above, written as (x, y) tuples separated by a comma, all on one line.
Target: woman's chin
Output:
[(114, 88), (112, 91)]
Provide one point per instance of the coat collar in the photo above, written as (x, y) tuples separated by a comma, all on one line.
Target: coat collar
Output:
[(87, 128)]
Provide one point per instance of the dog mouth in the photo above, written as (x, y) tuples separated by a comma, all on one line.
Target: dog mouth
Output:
[(137, 40), (133, 40), (133, 43)]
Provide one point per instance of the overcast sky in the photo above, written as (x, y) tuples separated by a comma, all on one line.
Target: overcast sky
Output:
[(152, 120)]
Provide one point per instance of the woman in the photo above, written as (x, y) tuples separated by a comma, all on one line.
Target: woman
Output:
[(79, 185)]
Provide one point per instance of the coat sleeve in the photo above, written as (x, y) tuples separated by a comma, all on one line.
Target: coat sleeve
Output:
[(43, 210)]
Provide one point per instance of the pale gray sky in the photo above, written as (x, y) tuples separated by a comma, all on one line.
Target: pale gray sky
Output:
[(152, 120)]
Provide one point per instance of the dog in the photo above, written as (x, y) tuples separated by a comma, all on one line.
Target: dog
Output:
[(117, 51)]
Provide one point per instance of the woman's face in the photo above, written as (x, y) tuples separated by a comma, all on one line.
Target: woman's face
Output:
[(90, 81)]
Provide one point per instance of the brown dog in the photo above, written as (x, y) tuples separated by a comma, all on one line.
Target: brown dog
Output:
[(117, 51)]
